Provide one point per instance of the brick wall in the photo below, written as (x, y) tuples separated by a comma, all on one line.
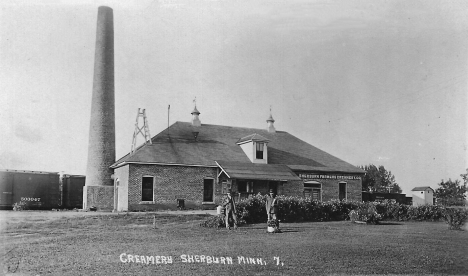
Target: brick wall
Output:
[(184, 182), (170, 183), (293, 188), (101, 146), (330, 189), (354, 190), (101, 197)]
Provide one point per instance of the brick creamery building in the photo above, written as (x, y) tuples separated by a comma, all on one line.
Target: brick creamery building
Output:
[(195, 164)]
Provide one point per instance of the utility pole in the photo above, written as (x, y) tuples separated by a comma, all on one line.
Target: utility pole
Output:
[(168, 113)]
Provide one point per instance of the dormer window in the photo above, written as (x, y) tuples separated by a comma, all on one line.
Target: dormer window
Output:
[(259, 152), (255, 147)]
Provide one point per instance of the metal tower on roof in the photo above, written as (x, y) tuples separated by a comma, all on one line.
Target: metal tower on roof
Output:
[(139, 129)]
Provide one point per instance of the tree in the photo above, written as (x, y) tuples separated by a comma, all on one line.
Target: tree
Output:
[(465, 180), (465, 177), (378, 179), (451, 193)]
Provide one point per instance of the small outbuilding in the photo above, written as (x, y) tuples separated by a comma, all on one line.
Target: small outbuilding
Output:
[(423, 196)]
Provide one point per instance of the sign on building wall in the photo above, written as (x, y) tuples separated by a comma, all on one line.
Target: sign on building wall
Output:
[(327, 176)]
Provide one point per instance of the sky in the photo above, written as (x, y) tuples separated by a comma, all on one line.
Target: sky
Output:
[(370, 82)]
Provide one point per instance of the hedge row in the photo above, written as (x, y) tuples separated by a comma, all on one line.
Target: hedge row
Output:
[(297, 209)]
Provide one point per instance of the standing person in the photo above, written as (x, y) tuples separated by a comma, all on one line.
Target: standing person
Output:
[(230, 209), (271, 206)]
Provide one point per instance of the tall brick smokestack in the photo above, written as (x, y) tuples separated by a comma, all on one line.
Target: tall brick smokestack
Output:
[(101, 149)]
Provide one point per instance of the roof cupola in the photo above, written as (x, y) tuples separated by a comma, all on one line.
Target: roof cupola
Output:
[(270, 122), (195, 120)]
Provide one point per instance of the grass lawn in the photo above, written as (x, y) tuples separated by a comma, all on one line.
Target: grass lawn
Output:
[(106, 245)]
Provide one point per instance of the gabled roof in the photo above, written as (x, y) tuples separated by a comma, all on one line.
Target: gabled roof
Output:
[(176, 145), (256, 171), (253, 137), (423, 188)]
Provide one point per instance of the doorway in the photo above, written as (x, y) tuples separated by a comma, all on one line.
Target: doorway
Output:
[(116, 195), (342, 191), (208, 190), (273, 185)]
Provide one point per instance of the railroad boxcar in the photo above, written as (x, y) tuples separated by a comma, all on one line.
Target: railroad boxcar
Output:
[(399, 198), (32, 190), (72, 191)]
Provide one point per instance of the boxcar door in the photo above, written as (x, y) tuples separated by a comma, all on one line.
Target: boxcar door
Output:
[(6, 189)]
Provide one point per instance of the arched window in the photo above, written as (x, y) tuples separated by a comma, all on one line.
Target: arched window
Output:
[(342, 190), (147, 188), (313, 189)]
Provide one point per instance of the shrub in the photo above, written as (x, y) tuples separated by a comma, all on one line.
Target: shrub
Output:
[(389, 209), (20, 206), (402, 212), (455, 217), (297, 209), (366, 212), (425, 212), (291, 208), (252, 209), (294, 209), (340, 209), (394, 211)]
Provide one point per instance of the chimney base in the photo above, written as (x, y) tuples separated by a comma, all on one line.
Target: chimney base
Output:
[(100, 197)]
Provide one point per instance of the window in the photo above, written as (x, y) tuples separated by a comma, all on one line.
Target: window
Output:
[(260, 147), (208, 185), (342, 190), (147, 188), (224, 186), (313, 190)]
